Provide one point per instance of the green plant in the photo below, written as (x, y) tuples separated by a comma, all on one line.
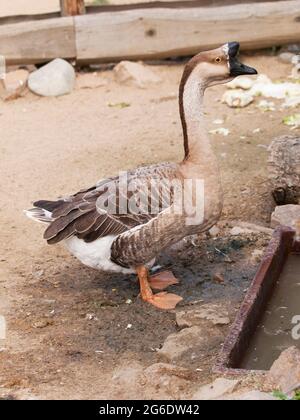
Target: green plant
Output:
[(283, 397), (297, 395), (280, 395)]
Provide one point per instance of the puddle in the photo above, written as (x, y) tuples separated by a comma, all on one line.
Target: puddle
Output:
[(274, 332)]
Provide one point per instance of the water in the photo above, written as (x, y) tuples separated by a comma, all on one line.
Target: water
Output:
[(275, 331)]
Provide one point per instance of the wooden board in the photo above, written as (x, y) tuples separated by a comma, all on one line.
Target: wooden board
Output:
[(165, 32), (38, 41), (149, 33), (72, 7)]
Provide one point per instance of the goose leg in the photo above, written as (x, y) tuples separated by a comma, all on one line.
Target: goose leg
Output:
[(161, 300), (162, 280)]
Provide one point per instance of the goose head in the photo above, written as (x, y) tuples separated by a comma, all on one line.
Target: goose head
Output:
[(217, 66)]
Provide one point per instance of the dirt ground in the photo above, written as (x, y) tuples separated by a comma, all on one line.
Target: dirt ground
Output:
[(68, 334)]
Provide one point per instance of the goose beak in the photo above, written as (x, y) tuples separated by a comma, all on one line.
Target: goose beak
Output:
[(236, 67)]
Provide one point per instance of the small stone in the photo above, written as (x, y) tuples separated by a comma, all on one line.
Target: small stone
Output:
[(42, 323), (209, 312), (237, 98), (221, 131), (14, 84), (257, 255), (128, 72), (214, 231), (90, 317), (286, 215), (194, 338), (237, 231), (90, 81), (54, 79), (265, 106), (215, 390), (286, 57), (296, 75), (285, 372), (256, 131), (293, 48), (242, 82), (218, 278)]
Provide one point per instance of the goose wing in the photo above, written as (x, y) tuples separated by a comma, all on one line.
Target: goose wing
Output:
[(112, 206)]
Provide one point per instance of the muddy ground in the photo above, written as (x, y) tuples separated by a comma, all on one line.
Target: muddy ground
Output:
[(67, 325)]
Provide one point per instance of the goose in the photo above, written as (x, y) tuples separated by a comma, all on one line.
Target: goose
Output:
[(104, 227)]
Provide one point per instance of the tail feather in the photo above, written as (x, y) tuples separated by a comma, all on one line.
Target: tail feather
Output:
[(48, 205), (39, 215)]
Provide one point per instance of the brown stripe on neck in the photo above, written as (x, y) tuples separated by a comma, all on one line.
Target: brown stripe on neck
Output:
[(185, 76)]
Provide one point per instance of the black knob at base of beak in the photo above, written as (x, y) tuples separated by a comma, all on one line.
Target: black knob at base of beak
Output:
[(233, 49), (237, 68)]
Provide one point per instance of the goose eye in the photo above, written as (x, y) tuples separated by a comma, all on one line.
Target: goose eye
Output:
[(218, 60)]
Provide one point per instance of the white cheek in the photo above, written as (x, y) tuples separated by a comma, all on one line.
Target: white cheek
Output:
[(226, 52)]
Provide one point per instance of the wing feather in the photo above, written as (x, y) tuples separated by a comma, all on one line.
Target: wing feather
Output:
[(86, 217)]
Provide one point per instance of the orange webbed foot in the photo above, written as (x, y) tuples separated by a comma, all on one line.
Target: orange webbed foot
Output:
[(161, 281), (165, 300)]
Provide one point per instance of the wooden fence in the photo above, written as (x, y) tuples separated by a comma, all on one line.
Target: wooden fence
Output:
[(146, 30)]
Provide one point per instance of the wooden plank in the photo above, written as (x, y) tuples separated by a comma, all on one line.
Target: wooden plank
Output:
[(38, 41), (177, 4), (157, 33), (72, 7)]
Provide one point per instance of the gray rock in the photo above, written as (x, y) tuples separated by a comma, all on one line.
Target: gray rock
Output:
[(137, 74), (54, 79), (286, 215), (285, 372), (195, 338), (216, 390), (286, 57), (293, 48), (209, 312)]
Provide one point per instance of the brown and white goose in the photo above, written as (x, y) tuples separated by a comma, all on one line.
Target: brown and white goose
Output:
[(127, 239)]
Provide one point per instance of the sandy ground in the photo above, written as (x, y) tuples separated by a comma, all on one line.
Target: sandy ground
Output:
[(55, 146)]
